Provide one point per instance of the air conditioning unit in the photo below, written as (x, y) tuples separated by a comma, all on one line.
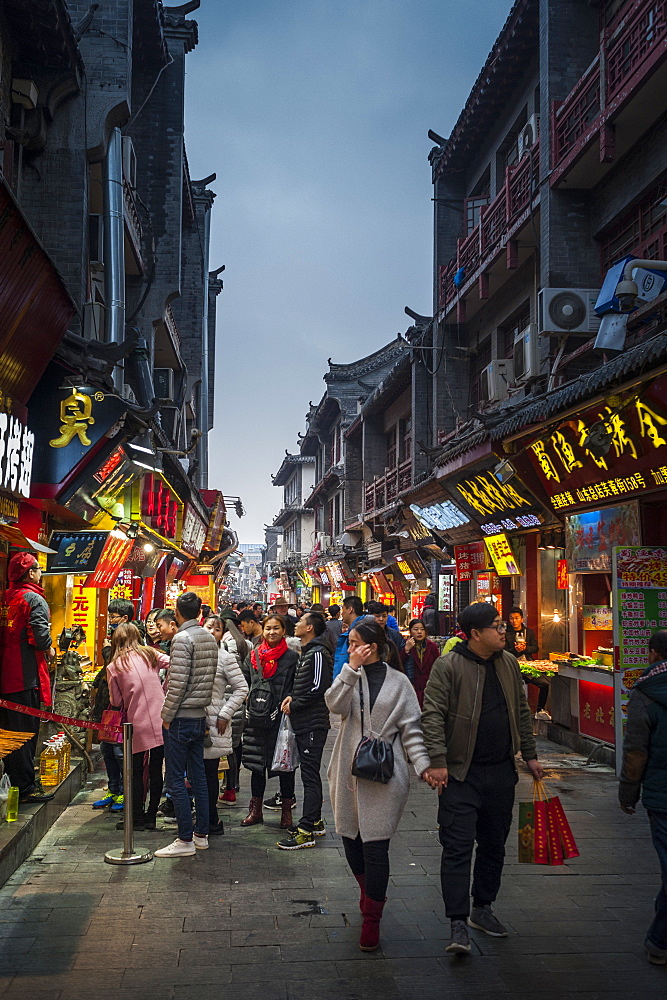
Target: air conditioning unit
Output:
[(568, 310), (496, 377), (93, 320), (325, 541), (129, 162), (163, 383), (526, 354), (528, 135), (96, 238)]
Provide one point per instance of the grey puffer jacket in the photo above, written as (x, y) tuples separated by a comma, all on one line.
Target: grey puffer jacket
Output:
[(193, 661)]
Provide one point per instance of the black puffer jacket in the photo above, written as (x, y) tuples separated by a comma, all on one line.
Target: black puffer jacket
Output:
[(314, 674), (259, 744)]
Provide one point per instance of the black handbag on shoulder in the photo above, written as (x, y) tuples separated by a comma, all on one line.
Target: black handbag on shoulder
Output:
[(373, 758)]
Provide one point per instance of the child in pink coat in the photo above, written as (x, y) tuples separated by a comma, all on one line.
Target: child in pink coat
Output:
[(135, 687)]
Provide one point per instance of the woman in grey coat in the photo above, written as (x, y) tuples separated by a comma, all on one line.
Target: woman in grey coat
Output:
[(367, 813)]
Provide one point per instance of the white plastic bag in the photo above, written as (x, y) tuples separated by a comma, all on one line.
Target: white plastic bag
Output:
[(5, 785), (286, 755)]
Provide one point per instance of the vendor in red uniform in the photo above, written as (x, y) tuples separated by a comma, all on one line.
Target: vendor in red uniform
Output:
[(24, 670)]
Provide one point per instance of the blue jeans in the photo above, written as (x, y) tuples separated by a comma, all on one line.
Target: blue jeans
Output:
[(657, 932), (184, 752), (112, 755)]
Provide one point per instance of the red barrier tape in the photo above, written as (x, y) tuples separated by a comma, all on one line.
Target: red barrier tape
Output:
[(38, 713)]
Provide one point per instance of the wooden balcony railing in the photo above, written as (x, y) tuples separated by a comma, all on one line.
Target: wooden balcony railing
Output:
[(496, 220), (632, 45), (383, 490)]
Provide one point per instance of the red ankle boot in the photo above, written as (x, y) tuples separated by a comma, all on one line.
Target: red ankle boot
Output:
[(361, 879), (370, 929)]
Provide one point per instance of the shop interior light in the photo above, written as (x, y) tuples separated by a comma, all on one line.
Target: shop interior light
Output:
[(148, 547), (557, 617)]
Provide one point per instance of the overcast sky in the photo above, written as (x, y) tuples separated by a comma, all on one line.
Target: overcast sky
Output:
[(314, 114)]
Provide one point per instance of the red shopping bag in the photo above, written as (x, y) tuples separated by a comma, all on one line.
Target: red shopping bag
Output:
[(570, 849), (545, 837)]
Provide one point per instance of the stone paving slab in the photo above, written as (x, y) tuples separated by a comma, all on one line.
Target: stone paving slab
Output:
[(244, 920)]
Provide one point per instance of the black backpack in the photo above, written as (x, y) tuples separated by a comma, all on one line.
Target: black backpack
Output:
[(261, 707)]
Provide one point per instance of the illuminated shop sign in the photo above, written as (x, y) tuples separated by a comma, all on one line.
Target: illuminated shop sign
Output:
[(502, 554), (17, 444), (486, 496), (405, 569), (441, 516), (614, 449), (519, 523), (591, 535)]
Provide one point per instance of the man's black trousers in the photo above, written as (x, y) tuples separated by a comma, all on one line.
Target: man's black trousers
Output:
[(477, 810), (310, 746)]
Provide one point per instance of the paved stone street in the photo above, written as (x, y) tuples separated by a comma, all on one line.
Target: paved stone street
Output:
[(245, 920)]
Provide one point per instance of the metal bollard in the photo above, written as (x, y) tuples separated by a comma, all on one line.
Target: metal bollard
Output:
[(127, 855)]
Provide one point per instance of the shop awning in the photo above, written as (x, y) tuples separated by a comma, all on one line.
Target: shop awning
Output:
[(35, 307), (16, 538)]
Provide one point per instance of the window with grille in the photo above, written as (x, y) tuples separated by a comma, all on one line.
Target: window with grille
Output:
[(516, 323)]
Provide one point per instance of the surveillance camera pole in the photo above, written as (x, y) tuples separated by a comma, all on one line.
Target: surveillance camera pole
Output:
[(627, 286)]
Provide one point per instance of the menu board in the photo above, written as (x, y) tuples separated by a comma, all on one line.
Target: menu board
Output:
[(639, 580)]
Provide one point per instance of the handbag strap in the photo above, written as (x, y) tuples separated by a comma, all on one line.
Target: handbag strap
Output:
[(361, 700)]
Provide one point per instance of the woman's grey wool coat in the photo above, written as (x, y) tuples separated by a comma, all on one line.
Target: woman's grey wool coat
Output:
[(367, 807)]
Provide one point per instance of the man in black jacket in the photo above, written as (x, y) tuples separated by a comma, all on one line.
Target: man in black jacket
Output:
[(309, 716)]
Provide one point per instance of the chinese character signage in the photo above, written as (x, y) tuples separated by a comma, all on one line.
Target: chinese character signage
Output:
[(17, 443), (160, 507), (639, 581), (596, 711), (441, 516), (67, 424), (486, 497), (502, 554), (591, 535), (612, 450), (470, 558), (116, 550), (597, 618), (83, 611), (122, 588), (216, 524), (562, 575), (76, 551), (446, 592), (194, 531)]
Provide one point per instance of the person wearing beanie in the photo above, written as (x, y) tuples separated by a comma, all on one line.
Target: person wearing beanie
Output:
[(475, 720), (24, 670)]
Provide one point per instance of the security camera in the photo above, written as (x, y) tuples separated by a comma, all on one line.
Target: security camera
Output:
[(626, 293)]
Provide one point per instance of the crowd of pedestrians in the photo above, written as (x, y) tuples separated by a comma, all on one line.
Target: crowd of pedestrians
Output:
[(209, 693)]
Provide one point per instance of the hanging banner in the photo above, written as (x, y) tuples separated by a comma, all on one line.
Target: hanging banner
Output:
[(502, 555), (116, 550), (470, 558), (639, 582), (562, 575)]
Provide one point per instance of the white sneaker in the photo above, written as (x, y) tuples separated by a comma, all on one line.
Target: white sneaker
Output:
[(201, 843), (543, 716), (169, 820), (179, 849)]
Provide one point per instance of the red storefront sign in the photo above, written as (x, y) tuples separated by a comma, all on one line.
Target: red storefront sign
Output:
[(159, 506), (470, 558), (607, 453), (116, 550), (596, 711), (562, 575)]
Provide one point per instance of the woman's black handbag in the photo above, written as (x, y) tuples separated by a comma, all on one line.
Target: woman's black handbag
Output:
[(373, 758)]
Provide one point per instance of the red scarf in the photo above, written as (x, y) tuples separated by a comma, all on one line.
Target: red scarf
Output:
[(269, 656)]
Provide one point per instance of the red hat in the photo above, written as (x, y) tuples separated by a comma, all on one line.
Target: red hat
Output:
[(19, 565)]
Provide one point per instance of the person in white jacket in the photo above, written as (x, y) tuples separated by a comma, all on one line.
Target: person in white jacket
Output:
[(230, 690)]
